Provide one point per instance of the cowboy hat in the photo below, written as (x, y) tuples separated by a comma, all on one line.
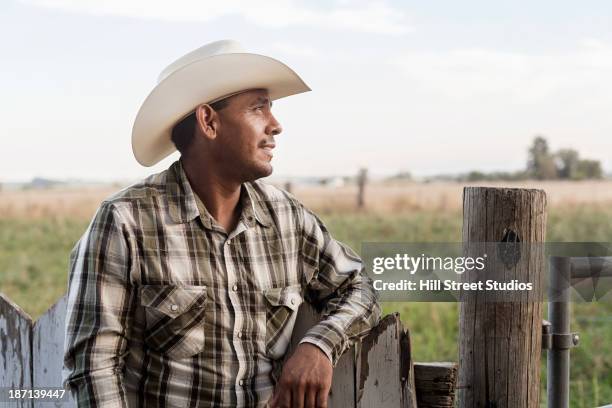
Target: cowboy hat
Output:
[(205, 75)]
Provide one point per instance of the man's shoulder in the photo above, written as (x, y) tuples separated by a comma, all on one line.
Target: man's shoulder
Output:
[(146, 189), (278, 200), (269, 193)]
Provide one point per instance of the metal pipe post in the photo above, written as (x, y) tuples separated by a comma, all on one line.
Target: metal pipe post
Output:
[(559, 317)]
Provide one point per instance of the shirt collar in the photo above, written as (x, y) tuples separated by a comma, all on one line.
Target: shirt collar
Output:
[(180, 197), (184, 205), (253, 206)]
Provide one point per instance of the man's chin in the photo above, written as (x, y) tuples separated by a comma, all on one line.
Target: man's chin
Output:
[(261, 172), (267, 171)]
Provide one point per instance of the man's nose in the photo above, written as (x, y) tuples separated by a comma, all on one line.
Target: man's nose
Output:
[(274, 127)]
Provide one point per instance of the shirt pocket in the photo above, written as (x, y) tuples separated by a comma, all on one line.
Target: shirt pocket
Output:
[(281, 311), (175, 317)]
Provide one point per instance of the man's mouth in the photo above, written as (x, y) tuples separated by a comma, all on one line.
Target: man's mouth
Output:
[(268, 148)]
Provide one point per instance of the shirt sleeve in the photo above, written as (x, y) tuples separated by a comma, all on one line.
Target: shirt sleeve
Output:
[(338, 286), (99, 312)]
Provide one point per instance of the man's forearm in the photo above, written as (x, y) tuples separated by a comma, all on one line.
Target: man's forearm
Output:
[(346, 318)]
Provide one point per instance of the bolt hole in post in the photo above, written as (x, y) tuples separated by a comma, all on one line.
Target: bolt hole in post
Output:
[(509, 251)]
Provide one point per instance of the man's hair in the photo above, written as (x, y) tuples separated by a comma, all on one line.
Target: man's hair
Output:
[(184, 131)]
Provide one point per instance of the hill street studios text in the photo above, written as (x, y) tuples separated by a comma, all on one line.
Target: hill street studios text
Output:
[(426, 274)]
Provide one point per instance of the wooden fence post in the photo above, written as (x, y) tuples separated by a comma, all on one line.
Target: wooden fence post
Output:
[(48, 352), (342, 393), (500, 342), (361, 182), (15, 350), (377, 373), (385, 373)]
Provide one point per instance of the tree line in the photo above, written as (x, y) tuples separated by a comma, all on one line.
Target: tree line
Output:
[(544, 164), (565, 164)]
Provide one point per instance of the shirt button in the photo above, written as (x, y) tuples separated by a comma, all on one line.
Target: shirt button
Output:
[(241, 383), (229, 241), (174, 308), (235, 288), (239, 335), (293, 301)]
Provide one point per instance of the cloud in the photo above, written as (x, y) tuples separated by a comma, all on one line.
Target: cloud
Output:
[(520, 77), (376, 17)]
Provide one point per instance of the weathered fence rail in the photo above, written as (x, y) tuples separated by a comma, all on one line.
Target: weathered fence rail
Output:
[(435, 384)]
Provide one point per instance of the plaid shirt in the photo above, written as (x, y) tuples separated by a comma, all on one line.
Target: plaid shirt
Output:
[(167, 309)]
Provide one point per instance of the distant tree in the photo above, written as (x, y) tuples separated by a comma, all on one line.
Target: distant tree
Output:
[(476, 176), (567, 163), (588, 169), (540, 163)]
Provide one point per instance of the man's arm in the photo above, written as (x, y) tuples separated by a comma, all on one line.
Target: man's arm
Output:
[(336, 281), (98, 313)]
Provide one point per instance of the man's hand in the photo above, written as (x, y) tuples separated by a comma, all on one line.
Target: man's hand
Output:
[(305, 380)]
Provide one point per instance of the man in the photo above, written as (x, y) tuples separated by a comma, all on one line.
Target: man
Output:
[(185, 288)]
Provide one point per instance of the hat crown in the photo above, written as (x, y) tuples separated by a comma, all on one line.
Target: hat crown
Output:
[(208, 50)]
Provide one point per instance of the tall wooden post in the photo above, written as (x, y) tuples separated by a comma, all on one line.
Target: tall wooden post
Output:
[(500, 342), (362, 178)]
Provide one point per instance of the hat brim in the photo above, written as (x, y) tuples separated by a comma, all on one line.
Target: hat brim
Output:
[(200, 82)]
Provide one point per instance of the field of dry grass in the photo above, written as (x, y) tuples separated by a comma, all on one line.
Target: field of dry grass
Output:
[(395, 197), (391, 197)]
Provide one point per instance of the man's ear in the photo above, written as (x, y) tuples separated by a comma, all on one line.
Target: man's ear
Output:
[(207, 120)]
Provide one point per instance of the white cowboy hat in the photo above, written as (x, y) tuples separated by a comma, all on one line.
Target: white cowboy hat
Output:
[(205, 75)]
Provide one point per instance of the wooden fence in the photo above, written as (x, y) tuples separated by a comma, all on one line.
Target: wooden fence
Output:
[(377, 372)]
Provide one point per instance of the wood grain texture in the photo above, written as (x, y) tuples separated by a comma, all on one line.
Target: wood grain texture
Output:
[(48, 352), (377, 372), (15, 350), (435, 384), (342, 393), (500, 342), (385, 376)]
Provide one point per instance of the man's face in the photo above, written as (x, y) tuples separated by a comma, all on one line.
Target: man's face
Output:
[(245, 135)]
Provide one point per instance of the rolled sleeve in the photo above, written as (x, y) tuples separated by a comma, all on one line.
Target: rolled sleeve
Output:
[(98, 312), (338, 286)]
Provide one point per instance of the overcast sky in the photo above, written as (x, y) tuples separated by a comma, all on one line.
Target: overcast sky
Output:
[(425, 87)]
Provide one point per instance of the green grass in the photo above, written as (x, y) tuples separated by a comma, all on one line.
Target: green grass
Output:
[(34, 260), (34, 263)]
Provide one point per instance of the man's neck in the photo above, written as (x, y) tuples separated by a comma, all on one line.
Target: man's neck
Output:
[(220, 196)]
